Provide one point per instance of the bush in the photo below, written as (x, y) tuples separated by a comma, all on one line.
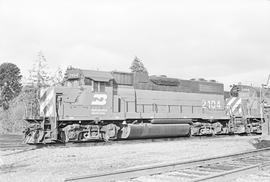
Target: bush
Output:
[(12, 119)]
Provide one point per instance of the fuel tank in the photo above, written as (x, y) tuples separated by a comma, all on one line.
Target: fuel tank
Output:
[(146, 130)]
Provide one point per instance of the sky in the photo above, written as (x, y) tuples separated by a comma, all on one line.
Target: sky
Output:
[(225, 40)]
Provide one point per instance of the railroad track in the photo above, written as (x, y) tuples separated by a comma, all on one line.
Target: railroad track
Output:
[(222, 168)]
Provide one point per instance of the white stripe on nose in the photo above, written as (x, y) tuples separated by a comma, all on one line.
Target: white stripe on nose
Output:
[(47, 101), (49, 111), (236, 104), (231, 101)]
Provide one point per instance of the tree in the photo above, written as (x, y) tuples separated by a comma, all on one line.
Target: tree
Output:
[(137, 66), (65, 76), (10, 86), (39, 74), (58, 77)]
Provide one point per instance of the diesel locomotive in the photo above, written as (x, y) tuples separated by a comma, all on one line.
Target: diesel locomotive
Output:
[(99, 105), (244, 107)]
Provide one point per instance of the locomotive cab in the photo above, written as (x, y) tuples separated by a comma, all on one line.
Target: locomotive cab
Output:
[(91, 98), (68, 112)]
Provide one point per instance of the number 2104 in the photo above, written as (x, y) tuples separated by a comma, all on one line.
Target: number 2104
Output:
[(211, 104)]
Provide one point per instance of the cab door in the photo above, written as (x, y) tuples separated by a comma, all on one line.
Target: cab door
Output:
[(101, 104)]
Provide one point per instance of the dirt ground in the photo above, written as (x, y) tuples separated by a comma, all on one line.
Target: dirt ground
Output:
[(55, 164)]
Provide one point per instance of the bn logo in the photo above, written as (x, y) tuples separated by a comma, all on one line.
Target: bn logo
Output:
[(99, 99)]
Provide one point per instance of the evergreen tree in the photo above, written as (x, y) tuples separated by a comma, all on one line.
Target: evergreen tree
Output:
[(10, 86), (39, 74), (137, 66)]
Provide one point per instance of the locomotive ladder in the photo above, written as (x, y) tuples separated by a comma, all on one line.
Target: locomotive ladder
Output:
[(210, 169)]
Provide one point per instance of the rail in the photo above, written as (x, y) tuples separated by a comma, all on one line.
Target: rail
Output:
[(209, 169)]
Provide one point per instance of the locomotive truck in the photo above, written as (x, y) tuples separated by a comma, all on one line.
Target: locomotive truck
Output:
[(99, 105)]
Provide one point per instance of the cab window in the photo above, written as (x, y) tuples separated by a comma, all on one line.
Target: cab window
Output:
[(72, 83), (95, 86), (102, 86), (87, 81), (99, 86)]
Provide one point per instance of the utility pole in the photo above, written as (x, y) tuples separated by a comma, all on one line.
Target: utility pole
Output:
[(265, 107), (268, 80), (266, 114), (264, 140)]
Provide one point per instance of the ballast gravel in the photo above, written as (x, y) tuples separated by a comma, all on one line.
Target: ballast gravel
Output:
[(58, 163)]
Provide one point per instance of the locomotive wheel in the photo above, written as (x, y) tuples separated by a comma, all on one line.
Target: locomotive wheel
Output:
[(83, 136), (63, 137), (106, 137), (80, 136), (189, 132)]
